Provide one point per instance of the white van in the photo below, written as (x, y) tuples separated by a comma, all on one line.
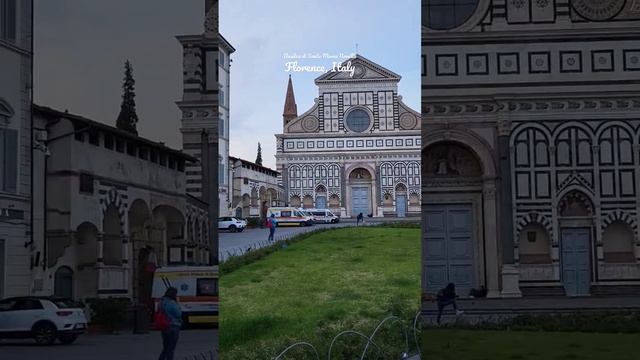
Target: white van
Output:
[(197, 291), (324, 216), (290, 215)]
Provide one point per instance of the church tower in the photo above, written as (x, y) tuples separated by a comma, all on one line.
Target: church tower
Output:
[(290, 107), (200, 107)]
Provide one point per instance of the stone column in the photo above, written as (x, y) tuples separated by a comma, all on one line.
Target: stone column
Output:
[(491, 238), (100, 248)]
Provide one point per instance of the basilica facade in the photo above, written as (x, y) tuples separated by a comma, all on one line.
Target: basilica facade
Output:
[(356, 150), (531, 147)]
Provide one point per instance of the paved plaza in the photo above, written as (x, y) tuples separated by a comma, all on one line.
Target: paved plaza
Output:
[(125, 346)]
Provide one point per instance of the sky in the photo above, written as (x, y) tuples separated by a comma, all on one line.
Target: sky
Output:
[(80, 47), (262, 32)]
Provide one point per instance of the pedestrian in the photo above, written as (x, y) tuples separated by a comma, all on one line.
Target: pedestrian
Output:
[(272, 223), (360, 219), (446, 297), (171, 309)]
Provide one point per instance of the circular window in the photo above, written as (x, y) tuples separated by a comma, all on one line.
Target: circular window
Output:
[(358, 120), (447, 14)]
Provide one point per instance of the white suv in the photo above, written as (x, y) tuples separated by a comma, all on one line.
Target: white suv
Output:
[(232, 224), (44, 319)]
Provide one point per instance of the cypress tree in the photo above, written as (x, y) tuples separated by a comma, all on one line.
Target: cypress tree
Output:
[(259, 157), (128, 118)]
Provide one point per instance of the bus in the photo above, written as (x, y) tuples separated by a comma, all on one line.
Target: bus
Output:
[(290, 215), (197, 292)]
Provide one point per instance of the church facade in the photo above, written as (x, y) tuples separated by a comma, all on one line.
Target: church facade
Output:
[(531, 147), (356, 150)]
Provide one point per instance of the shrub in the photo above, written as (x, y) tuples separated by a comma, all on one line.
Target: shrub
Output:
[(109, 312), (253, 222)]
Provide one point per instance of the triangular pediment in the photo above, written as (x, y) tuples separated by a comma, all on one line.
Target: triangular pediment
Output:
[(358, 68)]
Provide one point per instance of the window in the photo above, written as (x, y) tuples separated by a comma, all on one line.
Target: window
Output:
[(94, 138), (221, 97), (27, 304), (358, 120), (108, 141), (86, 183), (9, 157), (221, 175), (131, 149), (221, 59), (153, 156), (447, 14), (143, 153), (8, 16), (221, 128), (206, 287), (119, 146)]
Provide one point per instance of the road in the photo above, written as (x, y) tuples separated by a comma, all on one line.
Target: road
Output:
[(124, 346), (238, 243)]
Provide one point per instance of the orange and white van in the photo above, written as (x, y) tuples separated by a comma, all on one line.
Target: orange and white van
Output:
[(290, 215), (197, 291)]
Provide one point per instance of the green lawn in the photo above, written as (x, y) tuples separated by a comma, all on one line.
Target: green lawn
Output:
[(451, 344), (333, 281)]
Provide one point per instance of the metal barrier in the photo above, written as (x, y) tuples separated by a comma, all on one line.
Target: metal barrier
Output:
[(414, 327)]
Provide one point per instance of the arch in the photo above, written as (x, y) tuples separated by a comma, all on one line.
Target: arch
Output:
[(360, 172), (619, 215), (451, 159), (414, 199), (112, 236), (534, 244), (534, 218), (387, 200), (171, 225), (295, 201), (334, 201), (614, 123), (63, 282), (520, 128), (472, 141), (307, 202), (618, 242), (400, 187), (574, 202)]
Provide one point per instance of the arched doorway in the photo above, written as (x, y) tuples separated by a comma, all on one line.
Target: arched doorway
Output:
[(456, 205), (321, 197), (401, 200), (360, 189), (63, 283), (112, 239), (576, 213), (169, 223)]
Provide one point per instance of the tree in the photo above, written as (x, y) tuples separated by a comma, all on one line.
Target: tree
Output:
[(127, 119), (259, 157)]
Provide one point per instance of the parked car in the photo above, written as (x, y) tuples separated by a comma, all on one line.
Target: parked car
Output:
[(232, 224), (290, 215), (45, 319)]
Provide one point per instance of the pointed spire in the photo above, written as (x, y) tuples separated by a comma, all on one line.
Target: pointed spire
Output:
[(290, 107)]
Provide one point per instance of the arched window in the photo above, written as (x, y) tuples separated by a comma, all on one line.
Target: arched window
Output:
[(447, 14)]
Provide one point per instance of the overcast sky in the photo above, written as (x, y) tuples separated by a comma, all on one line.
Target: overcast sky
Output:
[(387, 33), (81, 46)]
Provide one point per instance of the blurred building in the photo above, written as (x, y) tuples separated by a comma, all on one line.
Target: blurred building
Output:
[(115, 204), (531, 128), (16, 142), (253, 187)]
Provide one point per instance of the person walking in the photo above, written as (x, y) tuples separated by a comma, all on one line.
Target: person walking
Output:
[(171, 309), (359, 219), (446, 297), (272, 223)]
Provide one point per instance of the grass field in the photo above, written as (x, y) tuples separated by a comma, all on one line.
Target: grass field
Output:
[(450, 344), (333, 281)]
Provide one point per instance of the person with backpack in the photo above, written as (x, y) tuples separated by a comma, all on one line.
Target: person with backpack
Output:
[(272, 223), (446, 297), (169, 321), (359, 219)]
